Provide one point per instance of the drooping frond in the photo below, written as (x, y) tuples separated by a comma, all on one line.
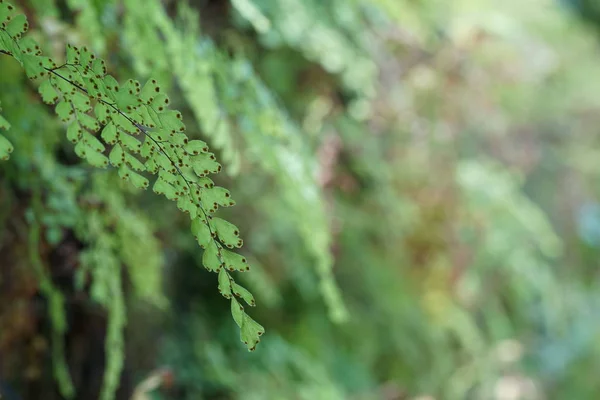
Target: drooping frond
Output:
[(131, 127)]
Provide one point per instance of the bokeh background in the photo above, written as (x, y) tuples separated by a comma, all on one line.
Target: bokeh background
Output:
[(417, 185)]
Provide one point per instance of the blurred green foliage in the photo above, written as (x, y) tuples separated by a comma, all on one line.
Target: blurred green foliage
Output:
[(416, 185)]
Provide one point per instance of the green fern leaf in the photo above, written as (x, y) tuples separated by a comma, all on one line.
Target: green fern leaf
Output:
[(237, 311), (134, 162), (34, 68), (74, 133), (109, 134), (224, 283), (164, 188), (130, 143), (138, 180), (251, 331), (211, 258), (205, 163), (243, 293), (196, 147), (96, 159), (92, 141), (234, 261), (49, 94), (172, 121), (87, 122), (188, 206), (227, 232), (6, 12), (72, 55), (216, 196), (81, 102), (17, 26), (116, 156), (150, 91), (102, 112), (201, 232), (64, 110)]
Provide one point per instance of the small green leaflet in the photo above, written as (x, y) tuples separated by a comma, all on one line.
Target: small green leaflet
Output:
[(92, 141), (138, 180), (49, 94), (250, 332), (201, 232), (125, 172), (34, 68), (102, 112), (204, 164), (127, 96), (85, 57), (160, 102), (210, 258), (72, 54), (196, 147), (123, 123), (8, 44), (148, 148), (62, 86), (205, 182), (134, 162), (109, 133), (224, 283), (237, 311), (17, 26), (234, 261), (215, 196), (6, 11), (74, 133), (149, 91), (130, 143), (171, 120), (97, 159), (81, 102), (88, 122), (227, 232), (81, 149), (151, 166), (242, 292), (64, 110), (29, 46), (99, 68), (116, 156), (188, 206), (166, 189)]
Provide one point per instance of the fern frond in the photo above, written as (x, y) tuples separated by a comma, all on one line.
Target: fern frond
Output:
[(144, 136)]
